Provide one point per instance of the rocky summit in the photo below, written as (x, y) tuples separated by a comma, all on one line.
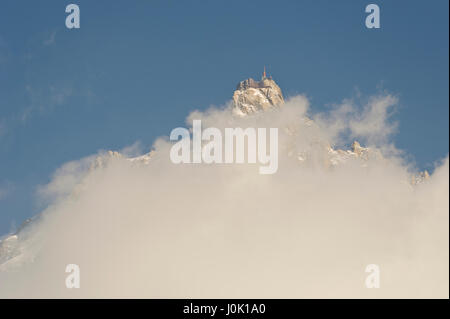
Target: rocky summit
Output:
[(252, 96)]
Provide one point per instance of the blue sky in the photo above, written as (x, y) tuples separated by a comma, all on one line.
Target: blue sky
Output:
[(135, 69)]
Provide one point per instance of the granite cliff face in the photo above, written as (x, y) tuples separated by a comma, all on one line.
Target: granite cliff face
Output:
[(252, 96)]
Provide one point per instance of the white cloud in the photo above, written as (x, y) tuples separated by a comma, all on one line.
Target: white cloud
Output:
[(371, 123), (166, 230)]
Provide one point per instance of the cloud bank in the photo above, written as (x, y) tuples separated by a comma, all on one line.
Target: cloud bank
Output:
[(210, 231)]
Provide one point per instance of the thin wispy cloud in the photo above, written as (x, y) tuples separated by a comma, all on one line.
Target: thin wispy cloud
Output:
[(44, 99), (50, 39), (6, 188)]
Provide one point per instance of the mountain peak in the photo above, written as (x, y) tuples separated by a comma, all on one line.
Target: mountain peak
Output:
[(252, 96)]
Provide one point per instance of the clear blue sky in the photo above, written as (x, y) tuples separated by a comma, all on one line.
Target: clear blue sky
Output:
[(135, 69)]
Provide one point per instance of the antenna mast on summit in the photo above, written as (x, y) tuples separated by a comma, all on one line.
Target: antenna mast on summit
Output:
[(264, 73)]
